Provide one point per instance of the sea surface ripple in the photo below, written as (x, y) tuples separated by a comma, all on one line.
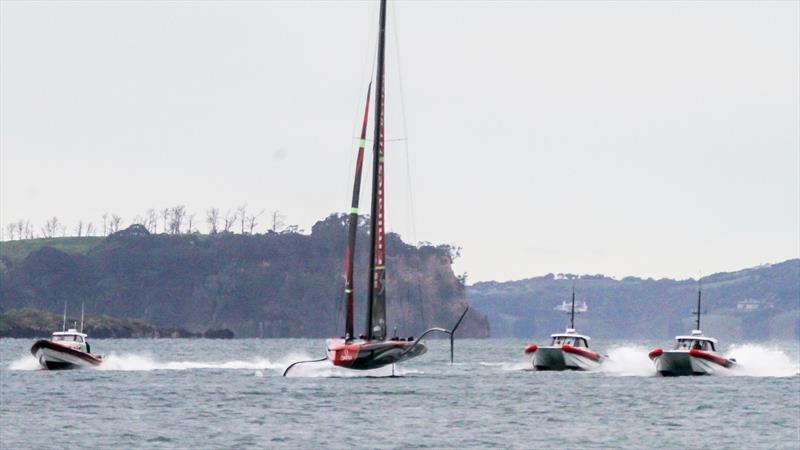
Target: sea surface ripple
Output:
[(198, 393)]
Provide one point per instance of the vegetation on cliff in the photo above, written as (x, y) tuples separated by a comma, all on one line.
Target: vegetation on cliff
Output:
[(273, 285)]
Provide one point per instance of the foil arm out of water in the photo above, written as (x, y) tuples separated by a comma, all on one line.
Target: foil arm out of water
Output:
[(451, 333)]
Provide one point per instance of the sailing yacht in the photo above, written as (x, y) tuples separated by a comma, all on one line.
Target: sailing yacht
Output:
[(694, 354), (567, 351), (371, 349)]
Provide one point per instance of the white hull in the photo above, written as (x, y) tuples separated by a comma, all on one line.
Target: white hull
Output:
[(680, 362), (555, 358), (50, 359), (578, 362), (548, 358)]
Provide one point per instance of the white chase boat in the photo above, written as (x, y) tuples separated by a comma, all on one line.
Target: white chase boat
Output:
[(66, 349), (692, 355), (567, 351)]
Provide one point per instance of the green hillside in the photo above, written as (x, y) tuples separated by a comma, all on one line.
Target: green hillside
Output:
[(18, 250)]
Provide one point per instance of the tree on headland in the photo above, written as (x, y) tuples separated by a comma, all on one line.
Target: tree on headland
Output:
[(241, 213), (165, 217), (176, 220), (212, 219), (151, 223), (177, 215), (190, 223), (114, 224), (228, 221), (50, 228), (10, 229), (277, 221), (252, 221)]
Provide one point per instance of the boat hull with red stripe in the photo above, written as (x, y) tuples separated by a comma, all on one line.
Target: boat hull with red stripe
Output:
[(565, 357), (579, 358), (681, 362), (365, 355), (54, 356), (568, 351)]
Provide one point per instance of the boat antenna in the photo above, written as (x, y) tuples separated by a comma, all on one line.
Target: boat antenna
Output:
[(699, 295), (82, 317), (572, 311), (64, 320)]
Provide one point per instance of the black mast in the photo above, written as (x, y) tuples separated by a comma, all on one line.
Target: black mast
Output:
[(375, 214), (353, 226), (572, 313)]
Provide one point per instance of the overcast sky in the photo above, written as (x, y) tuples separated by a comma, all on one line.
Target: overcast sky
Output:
[(626, 138)]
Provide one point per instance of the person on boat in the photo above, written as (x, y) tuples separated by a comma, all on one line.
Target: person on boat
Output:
[(697, 345)]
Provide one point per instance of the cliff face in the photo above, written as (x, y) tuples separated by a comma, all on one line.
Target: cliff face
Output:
[(288, 285)]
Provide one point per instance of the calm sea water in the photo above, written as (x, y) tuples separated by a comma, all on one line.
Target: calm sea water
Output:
[(214, 394)]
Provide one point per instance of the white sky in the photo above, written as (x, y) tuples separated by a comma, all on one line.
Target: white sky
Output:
[(644, 138)]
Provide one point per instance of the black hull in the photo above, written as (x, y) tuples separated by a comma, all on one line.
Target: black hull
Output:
[(553, 369), (373, 354), (52, 365), (384, 355)]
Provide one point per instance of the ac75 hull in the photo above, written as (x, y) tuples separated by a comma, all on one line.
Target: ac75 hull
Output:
[(366, 355), (54, 356)]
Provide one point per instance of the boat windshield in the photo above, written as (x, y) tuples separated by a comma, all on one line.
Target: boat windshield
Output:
[(568, 340), (68, 337), (697, 344)]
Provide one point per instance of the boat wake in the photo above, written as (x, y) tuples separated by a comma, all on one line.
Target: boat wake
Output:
[(144, 362), (511, 366), (324, 369), (628, 360), (755, 360), (132, 362)]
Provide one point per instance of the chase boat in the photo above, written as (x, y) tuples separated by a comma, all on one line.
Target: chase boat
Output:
[(693, 355), (567, 351), (65, 350)]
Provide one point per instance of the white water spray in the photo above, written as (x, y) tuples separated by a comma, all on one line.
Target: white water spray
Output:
[(628, 360), (757, 360), (25, 362)]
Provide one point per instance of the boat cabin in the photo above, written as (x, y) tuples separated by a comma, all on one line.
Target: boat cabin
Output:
[(570, 338), (71, 338), (696, 341)]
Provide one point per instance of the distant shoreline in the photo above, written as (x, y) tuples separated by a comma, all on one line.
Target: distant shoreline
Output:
[(30, 323)]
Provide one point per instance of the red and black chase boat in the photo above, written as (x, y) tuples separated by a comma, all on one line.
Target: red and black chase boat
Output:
[(372, 349)]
